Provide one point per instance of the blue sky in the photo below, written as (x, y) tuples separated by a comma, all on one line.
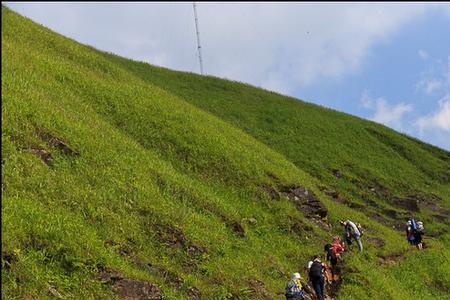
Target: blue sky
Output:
[(388, 62), (411, 67)]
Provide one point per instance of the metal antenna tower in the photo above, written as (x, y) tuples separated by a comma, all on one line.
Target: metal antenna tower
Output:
[(198, 38)]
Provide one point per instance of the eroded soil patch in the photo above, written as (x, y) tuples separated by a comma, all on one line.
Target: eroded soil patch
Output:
[(45, 155), (57, 143), (271, 192), (130, 289), (305, 200), (8, 258), (409, 203), (122, 249), (42, 154), (171, 278), (173, 237), (377, 242), (391, 259), (259, 290)]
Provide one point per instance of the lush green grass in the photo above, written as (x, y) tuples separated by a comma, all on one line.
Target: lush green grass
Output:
[(163, 152)]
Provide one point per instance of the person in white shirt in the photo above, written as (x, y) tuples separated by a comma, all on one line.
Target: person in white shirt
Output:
[(352, 231)]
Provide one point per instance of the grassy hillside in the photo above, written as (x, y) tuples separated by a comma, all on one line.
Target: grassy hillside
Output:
[(182, 181)]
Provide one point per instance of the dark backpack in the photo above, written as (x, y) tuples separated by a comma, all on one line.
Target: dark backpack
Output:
[(332, 255), (328, 248), (316, 270), (289, 292)]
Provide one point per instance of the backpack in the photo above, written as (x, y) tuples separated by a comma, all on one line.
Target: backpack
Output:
[(293, 289), (361, 232), (289, 293), (328, 248), (316, 270), (413, 225), (332, 256)]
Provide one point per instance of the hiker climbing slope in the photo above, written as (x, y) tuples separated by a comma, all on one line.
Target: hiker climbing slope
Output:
[(337, 246), (414, 232), (351, 231), (418, 235), (294, 288), (411, 226), (316, 276), (333, 252)]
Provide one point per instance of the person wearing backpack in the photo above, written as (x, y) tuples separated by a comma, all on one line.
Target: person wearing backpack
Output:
[(352, 231), (418, 235), (337, 246), (411, 229), (332, 258), (294, 288), (316, 276)]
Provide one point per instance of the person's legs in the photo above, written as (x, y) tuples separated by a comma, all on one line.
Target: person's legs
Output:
[(358, 240), (317, 288), (345, 239), (333, 270), (322, 283), (418, 240), (419, 245)]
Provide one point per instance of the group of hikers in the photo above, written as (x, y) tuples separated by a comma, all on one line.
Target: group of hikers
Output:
[(320, 273)]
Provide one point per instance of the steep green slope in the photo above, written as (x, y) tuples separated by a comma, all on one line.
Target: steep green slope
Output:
[(381, 171), (109, 164), (316, 139)]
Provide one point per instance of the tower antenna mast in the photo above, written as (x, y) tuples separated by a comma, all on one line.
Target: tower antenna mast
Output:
[(198, 38)]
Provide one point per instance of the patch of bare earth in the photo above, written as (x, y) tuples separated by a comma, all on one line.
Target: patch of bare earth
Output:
[(171, 278), (8, 258), (259, 290), (130, 289), (57, 143), (377, 242), (390, 259), (305, 200)]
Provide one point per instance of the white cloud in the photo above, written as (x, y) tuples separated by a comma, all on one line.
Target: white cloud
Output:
[(273, 45), (439, 119), (385, 113), (391, 115), (423, 54), (366, 100), (429, 85), (436, 78), (434, 127), (448, 70)]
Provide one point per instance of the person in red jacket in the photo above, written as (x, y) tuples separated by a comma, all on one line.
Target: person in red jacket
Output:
[(337, 246)]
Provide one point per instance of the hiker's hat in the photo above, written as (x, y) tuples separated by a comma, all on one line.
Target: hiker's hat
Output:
[(297, 276)]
